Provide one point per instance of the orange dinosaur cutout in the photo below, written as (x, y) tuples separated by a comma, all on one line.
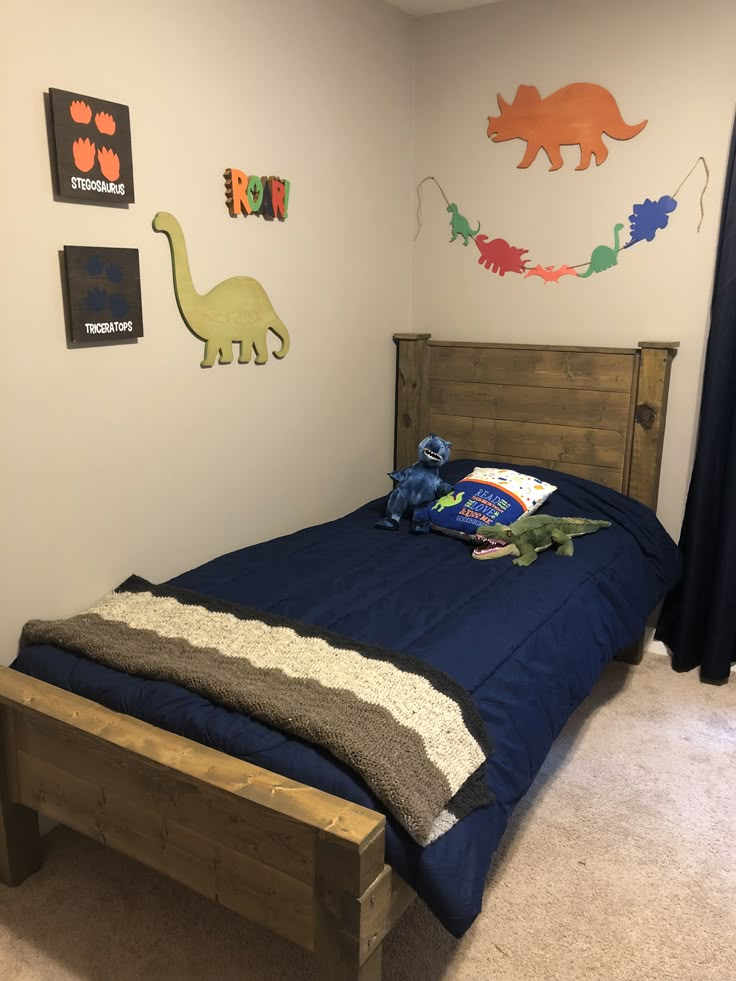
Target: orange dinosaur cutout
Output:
[(84, 154), (551, 275), (105, 123), (80, 112), (579, 113), (109, 163)]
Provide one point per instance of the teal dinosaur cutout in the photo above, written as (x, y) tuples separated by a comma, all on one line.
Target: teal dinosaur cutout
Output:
[(603, 256), (460, 225), (448, 501)]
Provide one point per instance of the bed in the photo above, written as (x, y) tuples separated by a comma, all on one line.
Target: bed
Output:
[(270, 826)]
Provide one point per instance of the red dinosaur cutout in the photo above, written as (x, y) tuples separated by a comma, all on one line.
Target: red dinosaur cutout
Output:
[(578, 113), (551, 275), (500, 257)]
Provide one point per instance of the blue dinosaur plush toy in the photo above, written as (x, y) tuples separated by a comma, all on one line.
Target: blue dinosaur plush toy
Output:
[(418, 485)]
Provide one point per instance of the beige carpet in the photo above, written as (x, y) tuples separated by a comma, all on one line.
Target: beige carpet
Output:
[(620, 865)]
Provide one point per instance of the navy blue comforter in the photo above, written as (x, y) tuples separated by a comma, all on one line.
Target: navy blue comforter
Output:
[(529, 644)]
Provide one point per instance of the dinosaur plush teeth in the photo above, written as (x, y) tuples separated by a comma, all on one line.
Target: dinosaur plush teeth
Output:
[(491, 545)]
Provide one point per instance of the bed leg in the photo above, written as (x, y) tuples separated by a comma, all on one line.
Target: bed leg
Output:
[(632, 654), (352, 902), (21, 853)]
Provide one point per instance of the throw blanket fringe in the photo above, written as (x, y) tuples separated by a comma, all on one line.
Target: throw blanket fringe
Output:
[(410, 731)]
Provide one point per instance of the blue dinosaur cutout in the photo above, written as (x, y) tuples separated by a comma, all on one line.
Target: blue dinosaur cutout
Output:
[(649, 217)]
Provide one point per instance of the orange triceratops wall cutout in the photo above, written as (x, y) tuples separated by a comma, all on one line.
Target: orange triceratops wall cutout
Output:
[(580, 113), (264, 196)]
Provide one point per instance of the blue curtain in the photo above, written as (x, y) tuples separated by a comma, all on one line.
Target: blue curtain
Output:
[(698, 621)]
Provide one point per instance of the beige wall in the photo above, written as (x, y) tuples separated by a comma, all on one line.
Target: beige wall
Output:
[(672, 63), (133, 458)]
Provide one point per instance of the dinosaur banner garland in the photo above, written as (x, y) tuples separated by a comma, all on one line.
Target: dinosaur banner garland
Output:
[(499, 257)]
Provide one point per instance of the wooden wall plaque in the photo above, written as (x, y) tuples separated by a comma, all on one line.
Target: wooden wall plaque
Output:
[(92, 147)]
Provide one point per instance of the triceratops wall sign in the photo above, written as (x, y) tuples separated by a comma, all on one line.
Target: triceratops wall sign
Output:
[(236, 311), (580, 113)]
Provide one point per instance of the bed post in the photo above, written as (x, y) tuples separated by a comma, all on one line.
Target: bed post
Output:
[(649, 419), (633, 654), (352, 897), (412, 396), (21, 852)]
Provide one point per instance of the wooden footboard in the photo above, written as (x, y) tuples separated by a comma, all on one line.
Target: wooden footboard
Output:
[(305, 864)]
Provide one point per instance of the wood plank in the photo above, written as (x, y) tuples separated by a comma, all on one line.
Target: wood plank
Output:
[(224, 775), (630, 422), (21, 852), (381, 906), (608, 477), (521, 403), (283, 845), (541, 347), (567, 369), (258, 892), (411, 396), (651, 411), (499, 440), (349, 924)]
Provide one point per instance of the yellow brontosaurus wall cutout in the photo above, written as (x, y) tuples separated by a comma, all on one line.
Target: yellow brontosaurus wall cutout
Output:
[(236, 311)]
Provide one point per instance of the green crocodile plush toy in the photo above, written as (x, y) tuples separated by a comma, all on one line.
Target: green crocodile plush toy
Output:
[(531, 534)]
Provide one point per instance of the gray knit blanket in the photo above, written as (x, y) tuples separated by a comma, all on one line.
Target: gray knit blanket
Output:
[(410, 731)]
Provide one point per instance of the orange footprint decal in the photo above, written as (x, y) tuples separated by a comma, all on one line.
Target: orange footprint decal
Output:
[(84, 154), (109, 163), (80, 112), (105, 123)]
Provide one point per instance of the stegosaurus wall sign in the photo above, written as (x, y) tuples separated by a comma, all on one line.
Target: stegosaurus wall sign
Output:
[(92, 156), (499, 257)]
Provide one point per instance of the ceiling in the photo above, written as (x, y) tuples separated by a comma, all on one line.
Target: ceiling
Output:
[(420, 8)]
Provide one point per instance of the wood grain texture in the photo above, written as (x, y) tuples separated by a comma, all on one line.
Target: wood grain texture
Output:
[(596, 413), (21, 853), (193, 763), (246, 838), (520, 403), (537, 441), (350, 926), (533, 366), (411, 398), (649, 422)]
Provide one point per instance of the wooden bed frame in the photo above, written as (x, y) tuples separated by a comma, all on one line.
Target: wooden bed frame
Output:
[(305, 864)]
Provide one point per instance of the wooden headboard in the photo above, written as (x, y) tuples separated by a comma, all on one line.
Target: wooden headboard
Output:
[(595, 412)]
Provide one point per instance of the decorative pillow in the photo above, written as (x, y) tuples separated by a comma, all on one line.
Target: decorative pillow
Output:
[(488, 495)]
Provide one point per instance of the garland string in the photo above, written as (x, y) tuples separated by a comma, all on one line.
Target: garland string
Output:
[(700, 159)]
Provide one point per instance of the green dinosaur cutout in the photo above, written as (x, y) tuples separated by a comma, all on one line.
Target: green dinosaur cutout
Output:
[(531, 534), (603, 256), (461, 226), (236, 311), (448, 501)]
